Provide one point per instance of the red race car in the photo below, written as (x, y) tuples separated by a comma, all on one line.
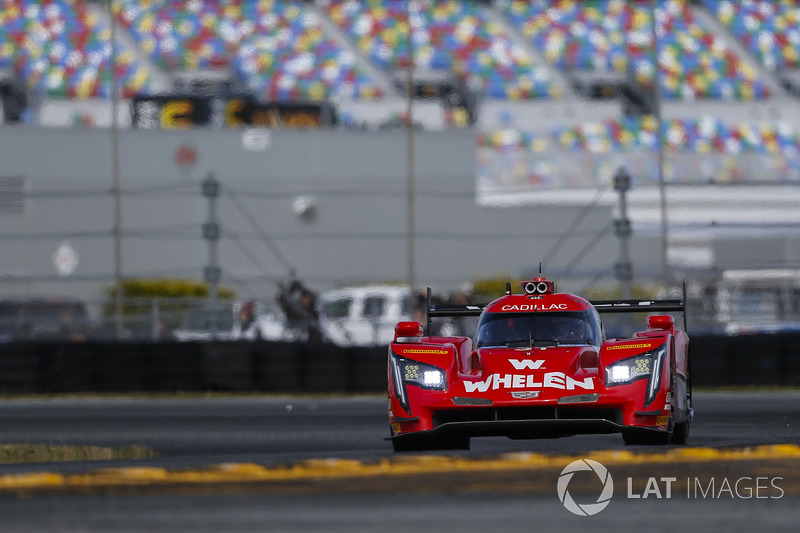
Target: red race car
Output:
[(540, 366)]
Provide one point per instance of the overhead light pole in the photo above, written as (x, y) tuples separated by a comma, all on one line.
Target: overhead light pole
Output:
[(660, 145), (117, 226), (410, 178), (623, 270)]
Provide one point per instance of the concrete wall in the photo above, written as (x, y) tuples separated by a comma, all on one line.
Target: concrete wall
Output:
[(36, 368), (358, 181)]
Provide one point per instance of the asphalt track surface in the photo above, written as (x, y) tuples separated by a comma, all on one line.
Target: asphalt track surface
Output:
[(275, 432)]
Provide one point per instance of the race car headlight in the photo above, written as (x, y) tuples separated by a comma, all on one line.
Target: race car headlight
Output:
[(629, 370), (408, 371), (421, 374), (644, 366)]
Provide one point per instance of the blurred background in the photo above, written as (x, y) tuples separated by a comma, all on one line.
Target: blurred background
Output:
[(287, 169)]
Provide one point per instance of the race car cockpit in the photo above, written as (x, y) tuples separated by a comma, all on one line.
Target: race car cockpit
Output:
[(539, 329)]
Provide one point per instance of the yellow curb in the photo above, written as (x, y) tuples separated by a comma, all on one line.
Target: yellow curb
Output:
[(401, 465), (34, 480)]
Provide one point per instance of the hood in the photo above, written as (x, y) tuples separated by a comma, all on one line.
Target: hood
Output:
[(541, 372)]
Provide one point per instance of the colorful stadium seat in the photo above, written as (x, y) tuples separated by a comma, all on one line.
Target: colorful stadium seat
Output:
[(278, 47), (697, 151), (615, 35), (768, 29), (703, 135), (281, 50), (63, 51), (448, 35)]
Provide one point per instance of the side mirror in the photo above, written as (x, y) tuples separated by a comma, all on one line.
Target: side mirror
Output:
[(661, 322), (408, 332)]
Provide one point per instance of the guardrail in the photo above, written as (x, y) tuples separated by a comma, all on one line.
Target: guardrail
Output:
[(281, 367)]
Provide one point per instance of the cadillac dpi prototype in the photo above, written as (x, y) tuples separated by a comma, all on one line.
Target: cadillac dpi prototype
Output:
[(540, 366)]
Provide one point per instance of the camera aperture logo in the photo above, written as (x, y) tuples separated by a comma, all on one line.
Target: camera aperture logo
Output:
[(586, 509), (666, 487)]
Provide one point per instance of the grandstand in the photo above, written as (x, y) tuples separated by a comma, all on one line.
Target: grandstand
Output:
[(506, 50), (560, 93), (529, 65)]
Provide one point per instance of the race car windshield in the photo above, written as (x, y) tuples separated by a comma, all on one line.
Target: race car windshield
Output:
[(522, 329)]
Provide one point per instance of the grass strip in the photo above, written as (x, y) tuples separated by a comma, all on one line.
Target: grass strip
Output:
[(48, 453)]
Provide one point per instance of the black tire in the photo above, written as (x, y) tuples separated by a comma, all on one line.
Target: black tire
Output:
[(646, 438), (677, 432), (660, 438), (681, 433)]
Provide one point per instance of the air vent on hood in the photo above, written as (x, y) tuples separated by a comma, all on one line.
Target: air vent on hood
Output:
[(580, 398), (465, 400)]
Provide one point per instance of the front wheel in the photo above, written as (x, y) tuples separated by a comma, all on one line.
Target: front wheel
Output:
[(654, 436), (648, 437), (681, 433)]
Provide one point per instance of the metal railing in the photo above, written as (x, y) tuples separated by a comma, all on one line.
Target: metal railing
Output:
[(143, 319)]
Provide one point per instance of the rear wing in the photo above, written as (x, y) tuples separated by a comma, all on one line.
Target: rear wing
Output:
[(637, 306), (449, 310), (644, 306), (641, 306), (456, 310), (602, 306)]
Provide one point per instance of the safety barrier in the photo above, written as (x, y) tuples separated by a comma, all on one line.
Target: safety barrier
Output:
[(27, 368), (40, 368)]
